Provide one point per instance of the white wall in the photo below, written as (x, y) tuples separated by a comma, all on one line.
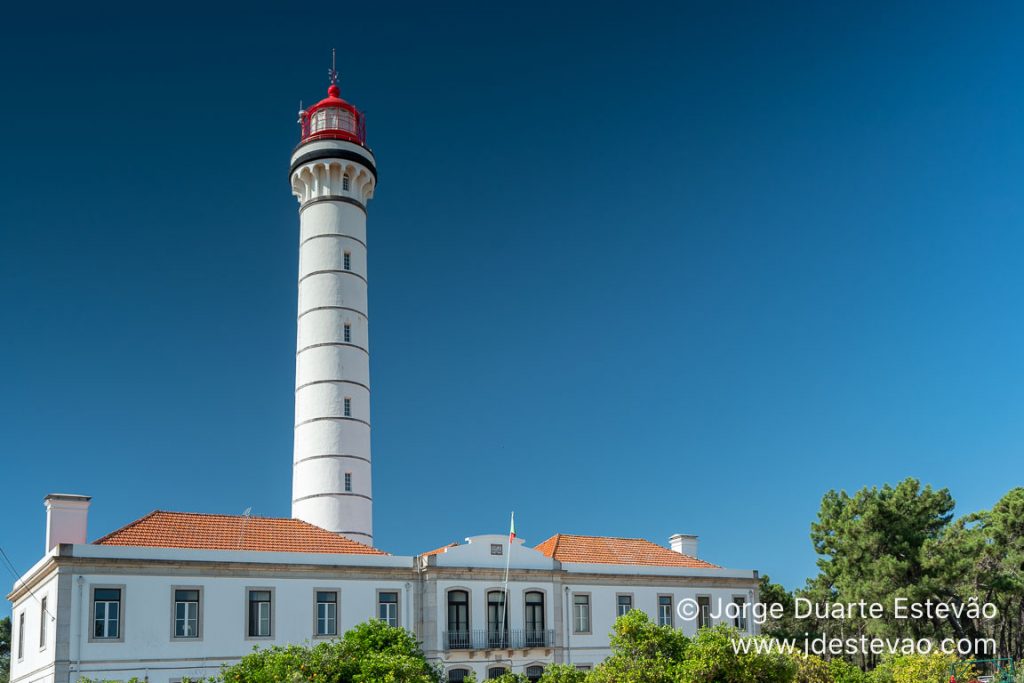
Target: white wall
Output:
[(38, 662)]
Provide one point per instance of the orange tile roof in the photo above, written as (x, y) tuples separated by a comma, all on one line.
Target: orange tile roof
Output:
[(438, 551), (162, 529), (608, 550)]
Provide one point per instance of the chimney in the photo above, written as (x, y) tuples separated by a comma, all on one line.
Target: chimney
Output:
[(685, 544), (67, 517)]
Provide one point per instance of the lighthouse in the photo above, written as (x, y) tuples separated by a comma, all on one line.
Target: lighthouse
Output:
[(333, 174)]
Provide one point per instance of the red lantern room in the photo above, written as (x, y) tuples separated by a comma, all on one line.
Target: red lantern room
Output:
[(332, 118)]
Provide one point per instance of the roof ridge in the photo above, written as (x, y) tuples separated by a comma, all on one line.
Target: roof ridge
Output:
[(614, 538), (127, 526)]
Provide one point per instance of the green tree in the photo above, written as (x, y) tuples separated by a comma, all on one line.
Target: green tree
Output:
[(871, 547), (372, 652), (563, 673), (5, 649), (642, 652), (713, 656), (982, 556)]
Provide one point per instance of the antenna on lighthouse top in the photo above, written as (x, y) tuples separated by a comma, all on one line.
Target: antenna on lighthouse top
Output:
[(333, 73)]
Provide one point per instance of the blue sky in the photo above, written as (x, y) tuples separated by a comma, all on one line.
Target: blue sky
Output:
[(635, 270)]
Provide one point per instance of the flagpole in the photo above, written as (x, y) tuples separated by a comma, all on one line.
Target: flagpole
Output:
[(508, 562)]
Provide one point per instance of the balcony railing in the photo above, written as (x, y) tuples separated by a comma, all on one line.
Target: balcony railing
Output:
[(482, 639)]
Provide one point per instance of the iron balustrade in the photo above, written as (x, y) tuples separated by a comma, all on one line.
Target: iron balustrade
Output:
[(484, 639)]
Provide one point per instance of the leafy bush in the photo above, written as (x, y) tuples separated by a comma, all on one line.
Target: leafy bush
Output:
[(563, 673), (712, 656), (844, 672), (370, 653)]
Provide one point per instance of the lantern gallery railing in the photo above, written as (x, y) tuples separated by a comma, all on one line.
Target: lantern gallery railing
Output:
[(481, 639)]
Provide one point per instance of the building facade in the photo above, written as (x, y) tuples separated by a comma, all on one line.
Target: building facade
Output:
[(177, 595)]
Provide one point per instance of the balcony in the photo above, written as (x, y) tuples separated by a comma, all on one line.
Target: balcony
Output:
[(514, 639)]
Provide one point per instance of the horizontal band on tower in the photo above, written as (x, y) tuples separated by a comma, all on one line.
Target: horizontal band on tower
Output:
[(333, 153), (333, 271), (331, 417), (317, 346), (334, 308), (331, 495), (332, 455), (332, 381), (333, 198), (333, 234)]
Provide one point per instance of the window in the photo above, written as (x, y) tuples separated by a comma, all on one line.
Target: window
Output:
[(497, 619), (186, 613), (623, 605), (348, 333), (457, 675), (535, 633), (326, 613), (106, 613), (740, 621), (387, 607), (260, 617), (346, 183), (21, 636), (347, 260), (665, 610), (348, 407), (496, 672), (348, 481), (497, 549), (583, 667), (703, 611), (42, 622), (458, 620), (581, 613), (533, 673)]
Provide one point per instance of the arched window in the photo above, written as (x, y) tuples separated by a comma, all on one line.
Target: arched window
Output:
[(533, 673), (497, 620), (457, 675), (458, 620), (496, 672), (535, 632)]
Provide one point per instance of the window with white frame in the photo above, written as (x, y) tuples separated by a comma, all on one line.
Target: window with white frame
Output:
[(43, 612), (261, 613), (740, 621), (327, 613), (665, 610), (347, 407), (106, 614), (581, 613), (387, 607), (186, 612), (703, 611), (623, 605)]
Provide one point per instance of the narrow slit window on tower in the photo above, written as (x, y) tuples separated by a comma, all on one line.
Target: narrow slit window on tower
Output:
[(346, 183), (348, 333), (348, 482), (347, 260), (348, 407)]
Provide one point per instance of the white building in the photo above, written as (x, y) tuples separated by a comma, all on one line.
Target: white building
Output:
[(176, 595)]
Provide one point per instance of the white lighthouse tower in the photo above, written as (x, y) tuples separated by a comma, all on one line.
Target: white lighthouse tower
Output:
[(333, 174)]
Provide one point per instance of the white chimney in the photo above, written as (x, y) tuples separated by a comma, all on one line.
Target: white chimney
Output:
[(67, 517), (685, 544)]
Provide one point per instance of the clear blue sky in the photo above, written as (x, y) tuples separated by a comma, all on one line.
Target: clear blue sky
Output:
[(634, 270)]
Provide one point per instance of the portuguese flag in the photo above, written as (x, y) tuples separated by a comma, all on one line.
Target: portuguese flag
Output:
[(512, 530)]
